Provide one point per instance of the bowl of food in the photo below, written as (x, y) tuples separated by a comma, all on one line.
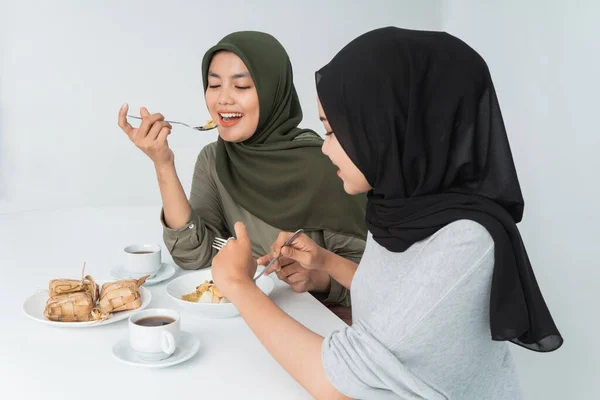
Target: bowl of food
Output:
[(197, 293)]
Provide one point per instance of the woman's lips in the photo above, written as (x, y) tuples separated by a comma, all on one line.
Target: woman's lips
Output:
[(228, 122)]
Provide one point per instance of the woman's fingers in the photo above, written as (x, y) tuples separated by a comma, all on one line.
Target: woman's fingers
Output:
[(156, 129), (123, 123), (146, 125)]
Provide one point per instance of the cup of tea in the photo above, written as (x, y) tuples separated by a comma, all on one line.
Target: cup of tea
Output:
[(153, 333), (142, 260)]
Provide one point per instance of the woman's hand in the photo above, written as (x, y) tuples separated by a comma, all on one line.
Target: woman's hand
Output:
[(234, 265), (302, 250), (299, 278), (150, 137)]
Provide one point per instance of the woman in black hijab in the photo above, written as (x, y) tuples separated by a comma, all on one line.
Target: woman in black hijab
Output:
[(412, 119)]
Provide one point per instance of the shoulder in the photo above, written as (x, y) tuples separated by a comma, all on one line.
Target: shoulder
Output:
[(208, 152), (463, 232), (205, 167), (454, 251), (206, 159), (308, 135), (461, 235), (458, 249)]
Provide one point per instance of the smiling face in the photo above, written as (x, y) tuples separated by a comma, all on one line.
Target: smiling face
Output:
[(231, 97), (354, 180)]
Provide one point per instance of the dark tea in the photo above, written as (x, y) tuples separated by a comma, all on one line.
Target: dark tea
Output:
[(141, 252), (155, 321)]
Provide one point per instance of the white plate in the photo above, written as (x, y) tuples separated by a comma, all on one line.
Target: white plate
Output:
[(166, 271), (187, 284), (35, 304), (187, 346)]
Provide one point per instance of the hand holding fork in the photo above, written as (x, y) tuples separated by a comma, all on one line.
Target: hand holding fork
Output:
[(219, 243)]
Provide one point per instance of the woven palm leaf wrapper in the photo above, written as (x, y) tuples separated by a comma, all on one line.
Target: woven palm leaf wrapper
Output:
[(121, 295), (59, 287), (72, 307), (73, 300)]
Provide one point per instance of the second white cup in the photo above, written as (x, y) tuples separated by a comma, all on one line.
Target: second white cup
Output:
[(142, 259)]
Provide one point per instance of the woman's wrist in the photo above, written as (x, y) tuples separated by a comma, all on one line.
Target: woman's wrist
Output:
[(164, 168), (340, 268), (236, 291), (327, 261)]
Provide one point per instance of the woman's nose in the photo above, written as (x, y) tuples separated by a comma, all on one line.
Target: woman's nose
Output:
[(325, 146), (225, 97)]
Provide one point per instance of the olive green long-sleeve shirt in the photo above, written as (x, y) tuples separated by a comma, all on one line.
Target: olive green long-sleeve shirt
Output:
[(214, 214)]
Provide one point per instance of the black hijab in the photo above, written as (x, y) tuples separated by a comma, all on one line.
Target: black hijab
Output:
[(417, 113)]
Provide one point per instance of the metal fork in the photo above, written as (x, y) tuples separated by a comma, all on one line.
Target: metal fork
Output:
[(206, 127), (219, 243)]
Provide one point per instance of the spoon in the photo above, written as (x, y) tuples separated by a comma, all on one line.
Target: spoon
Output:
[(209, 125)]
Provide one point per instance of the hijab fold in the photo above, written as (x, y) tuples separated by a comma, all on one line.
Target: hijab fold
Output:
[(280, 174), (417, 113)]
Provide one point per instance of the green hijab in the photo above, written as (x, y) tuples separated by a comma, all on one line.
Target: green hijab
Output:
[(280, 174)]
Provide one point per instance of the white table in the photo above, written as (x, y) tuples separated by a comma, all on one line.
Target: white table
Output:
[(40, 361)]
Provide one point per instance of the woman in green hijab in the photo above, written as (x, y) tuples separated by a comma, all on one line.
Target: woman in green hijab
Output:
[(263, 170)]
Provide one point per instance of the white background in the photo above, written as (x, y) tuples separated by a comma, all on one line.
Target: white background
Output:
[(66, 68), (545, 59)]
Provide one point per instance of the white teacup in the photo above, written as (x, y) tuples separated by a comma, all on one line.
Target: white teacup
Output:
[(153, 333), (142, 259)]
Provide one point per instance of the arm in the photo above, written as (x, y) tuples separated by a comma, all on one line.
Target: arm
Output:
[(176, 207), (312, 257), (319, 282), (339, 268), (190, 244), (187, 238), (303, 359), (308, 256), (151, 138), (348, 247)]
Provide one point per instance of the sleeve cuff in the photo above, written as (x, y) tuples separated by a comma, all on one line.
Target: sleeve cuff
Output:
[(188, 233)]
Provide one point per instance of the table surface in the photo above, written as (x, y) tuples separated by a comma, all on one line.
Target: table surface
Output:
[(41, 361)]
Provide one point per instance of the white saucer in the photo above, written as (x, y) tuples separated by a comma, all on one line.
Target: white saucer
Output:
[(187, 347), (165, 272)]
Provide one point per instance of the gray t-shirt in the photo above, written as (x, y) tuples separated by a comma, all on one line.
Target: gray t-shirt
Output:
[(421, 323)]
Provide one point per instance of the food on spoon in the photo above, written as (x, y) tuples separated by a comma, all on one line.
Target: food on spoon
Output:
[(211, 123), (205, 293), (121, 295)]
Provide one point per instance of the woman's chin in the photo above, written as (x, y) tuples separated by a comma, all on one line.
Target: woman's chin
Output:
[(353, 189), (348, 188), (233, 137)]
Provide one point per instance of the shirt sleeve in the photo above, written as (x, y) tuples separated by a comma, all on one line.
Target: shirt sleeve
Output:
[(361, 367)]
